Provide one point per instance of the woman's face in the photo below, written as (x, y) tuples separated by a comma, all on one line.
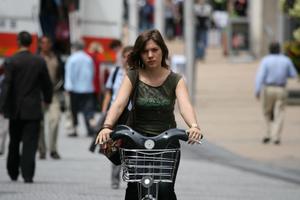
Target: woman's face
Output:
[(152, 55), (45, 45)]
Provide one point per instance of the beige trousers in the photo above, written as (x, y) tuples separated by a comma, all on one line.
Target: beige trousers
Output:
[(52, 118), (3, 133), (273, 103)]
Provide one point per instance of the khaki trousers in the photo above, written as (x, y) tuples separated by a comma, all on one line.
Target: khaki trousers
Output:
[(3, 133), (273, 103), (52, 118)]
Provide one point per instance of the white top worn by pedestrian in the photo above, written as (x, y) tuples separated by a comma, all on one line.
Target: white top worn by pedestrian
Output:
[(116, 84), (270, 83), (274, 69), (79, 73)]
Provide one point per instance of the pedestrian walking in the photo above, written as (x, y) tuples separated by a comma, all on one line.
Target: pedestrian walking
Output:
[(157, 89), (146, 12), (270, 83), (116, 46), (53, 113), (221, 19), (113, 85), (203, 13), (26, 85), (79, 76), (170, 18)]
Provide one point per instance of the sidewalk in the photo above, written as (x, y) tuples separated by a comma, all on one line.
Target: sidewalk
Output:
[(231, 117), (82, 175)]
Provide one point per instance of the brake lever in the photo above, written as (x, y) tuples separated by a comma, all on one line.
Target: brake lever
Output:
[(196, 141)]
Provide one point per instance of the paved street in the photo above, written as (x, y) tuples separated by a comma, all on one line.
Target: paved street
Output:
[(82, 175), (231, 164)]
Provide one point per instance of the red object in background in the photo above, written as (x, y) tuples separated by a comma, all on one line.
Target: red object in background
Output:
[(151, 2), (108, 55), (62, 31), (97, 68), (9, 44)]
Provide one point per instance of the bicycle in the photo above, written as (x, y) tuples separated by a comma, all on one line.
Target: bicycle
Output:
[(150, 162)]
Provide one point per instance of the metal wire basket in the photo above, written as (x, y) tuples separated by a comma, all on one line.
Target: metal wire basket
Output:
[(156, 164)]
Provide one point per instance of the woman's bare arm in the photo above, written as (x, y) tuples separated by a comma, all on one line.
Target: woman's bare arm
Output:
[(187, 111), (115, 110)]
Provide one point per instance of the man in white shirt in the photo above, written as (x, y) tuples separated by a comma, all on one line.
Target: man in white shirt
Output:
[(271, 79), (79, 74)]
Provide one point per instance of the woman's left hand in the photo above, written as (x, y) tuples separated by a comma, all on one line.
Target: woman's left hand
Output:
[(194, 135)]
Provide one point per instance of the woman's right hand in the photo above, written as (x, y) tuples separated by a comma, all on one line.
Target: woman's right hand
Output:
[(103, 136)]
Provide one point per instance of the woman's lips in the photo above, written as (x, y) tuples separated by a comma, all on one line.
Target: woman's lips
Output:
[(151, 62)]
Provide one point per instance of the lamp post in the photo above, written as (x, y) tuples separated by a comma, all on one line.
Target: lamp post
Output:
[(159, 18), (189, 37), (133, 21)]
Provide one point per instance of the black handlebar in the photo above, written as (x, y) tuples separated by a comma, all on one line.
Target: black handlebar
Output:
[(160, 141)]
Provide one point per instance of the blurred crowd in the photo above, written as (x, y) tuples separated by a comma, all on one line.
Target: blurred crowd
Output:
[(209, 15), (73, 86), (82, 80), (90, 80)]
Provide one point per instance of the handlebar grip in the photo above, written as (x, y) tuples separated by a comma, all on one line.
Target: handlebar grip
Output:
[(175, 133)]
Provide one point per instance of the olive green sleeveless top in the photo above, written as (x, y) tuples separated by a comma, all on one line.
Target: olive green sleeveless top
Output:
[(154, 106)]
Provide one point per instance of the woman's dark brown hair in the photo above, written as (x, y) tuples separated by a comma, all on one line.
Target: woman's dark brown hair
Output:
[(135, 61)]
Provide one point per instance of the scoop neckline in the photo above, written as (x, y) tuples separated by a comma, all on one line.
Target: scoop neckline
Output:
[(160, 84)]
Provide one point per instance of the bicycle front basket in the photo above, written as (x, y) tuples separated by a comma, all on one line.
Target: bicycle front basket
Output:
[(159, 164)]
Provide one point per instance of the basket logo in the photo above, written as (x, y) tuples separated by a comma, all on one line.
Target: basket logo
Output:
[(149, 144)]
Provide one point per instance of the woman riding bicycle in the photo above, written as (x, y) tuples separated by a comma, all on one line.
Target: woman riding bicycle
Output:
[(157, 89)]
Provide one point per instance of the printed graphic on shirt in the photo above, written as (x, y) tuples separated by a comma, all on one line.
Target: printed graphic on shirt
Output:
[(149, 97)]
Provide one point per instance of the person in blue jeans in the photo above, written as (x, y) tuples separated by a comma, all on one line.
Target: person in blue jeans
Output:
[(203, 12)]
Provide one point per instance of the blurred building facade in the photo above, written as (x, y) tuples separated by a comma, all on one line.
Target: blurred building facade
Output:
[(268, 22)]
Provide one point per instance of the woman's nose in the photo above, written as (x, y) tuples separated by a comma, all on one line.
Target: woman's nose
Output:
[(150, 54)]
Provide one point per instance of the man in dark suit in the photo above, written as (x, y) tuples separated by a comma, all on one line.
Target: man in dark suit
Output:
[(26, 85)]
